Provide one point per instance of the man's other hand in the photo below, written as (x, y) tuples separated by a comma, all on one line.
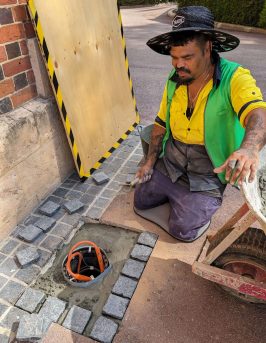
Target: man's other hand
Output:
[(240, 164)]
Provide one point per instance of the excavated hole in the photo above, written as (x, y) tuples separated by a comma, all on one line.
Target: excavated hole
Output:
[(116, 243)]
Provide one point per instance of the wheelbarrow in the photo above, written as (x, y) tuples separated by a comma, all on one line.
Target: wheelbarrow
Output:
[(235, 257)]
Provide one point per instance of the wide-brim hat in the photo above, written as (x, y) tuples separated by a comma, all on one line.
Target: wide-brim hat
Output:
[(194, 19)]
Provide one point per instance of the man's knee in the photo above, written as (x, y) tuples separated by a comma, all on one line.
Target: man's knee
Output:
[(139, 199), (184, 231)]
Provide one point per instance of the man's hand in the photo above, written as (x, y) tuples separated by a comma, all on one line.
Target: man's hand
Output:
[(244, 161), (144, 173), (239, 165)]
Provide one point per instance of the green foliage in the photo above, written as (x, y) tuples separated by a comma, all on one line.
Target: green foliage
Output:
[(262, 20), (231, 11)]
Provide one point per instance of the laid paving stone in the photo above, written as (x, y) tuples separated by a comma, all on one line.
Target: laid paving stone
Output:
[(45, 223), (3, 308), (4, 339), (74, 176), (72, 195), (81, 187), (29, 233), (30, 300), (61, 192), (44, 257), (62, 230), (51, 243), (53, 308), (124, 287), (71, 219), (100, 178), (87, 199), (68, 184), (27, 256), (101, 202), (8, 267), (133, 268), (3, 280), (31, 328), (77, 319), (114, 185), (141, 252), (49, 208), (73, 206), (94, 213), (11, 292), (115, 306), (120, 178), (31, 220), (108, 193), (2, 257), (57, 200), (12, 318), (104, 330), (148, 238), (94, 190), (59, 214), (27, 274), (9, 246)]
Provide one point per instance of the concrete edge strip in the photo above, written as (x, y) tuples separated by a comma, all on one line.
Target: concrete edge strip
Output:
[(59, 99)]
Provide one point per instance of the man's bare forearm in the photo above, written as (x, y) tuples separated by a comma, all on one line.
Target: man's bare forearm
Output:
[(155, 146), (255, 137)]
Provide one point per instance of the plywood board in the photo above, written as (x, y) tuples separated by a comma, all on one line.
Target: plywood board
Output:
[(87, 64)]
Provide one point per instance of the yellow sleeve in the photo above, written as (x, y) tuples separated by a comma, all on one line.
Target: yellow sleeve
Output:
[(245, 95), (161, 115)]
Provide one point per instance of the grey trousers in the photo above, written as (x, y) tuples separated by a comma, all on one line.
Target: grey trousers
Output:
[(189, 210)]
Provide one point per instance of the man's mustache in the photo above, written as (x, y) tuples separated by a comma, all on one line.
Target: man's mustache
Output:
[(182, 69)]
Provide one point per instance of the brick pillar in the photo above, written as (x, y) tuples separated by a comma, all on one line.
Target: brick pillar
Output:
[(17, 81)]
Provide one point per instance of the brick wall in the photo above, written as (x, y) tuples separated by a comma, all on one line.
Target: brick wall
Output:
[(17, 82)]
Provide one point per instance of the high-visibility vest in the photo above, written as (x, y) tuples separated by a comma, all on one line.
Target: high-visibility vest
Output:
[(223, 133)]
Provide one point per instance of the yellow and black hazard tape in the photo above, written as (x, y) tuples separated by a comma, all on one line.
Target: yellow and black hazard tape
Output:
[(58, 94)]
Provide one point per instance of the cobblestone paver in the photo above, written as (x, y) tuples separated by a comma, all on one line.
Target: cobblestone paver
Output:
[(124, 287), (27, 256), (148, 238), (133, 268), (29, 233), (77, 319), (31, 328), (12, 318), (49, 208), (104, 330), (45, 223), (141, 252), (30, 300), (115, 306), (11, 292)]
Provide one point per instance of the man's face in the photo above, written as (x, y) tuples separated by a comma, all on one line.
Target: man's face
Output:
[(190, 60)]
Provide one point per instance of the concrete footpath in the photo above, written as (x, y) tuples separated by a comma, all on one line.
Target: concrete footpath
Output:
[(170, 303)]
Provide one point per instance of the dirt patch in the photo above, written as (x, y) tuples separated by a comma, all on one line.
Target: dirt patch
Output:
[(116, 242)]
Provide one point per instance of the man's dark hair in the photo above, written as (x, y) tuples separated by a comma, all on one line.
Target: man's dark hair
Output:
[(181, 39)]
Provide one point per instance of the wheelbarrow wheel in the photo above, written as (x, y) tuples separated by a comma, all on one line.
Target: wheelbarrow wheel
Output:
[(246, 257)]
